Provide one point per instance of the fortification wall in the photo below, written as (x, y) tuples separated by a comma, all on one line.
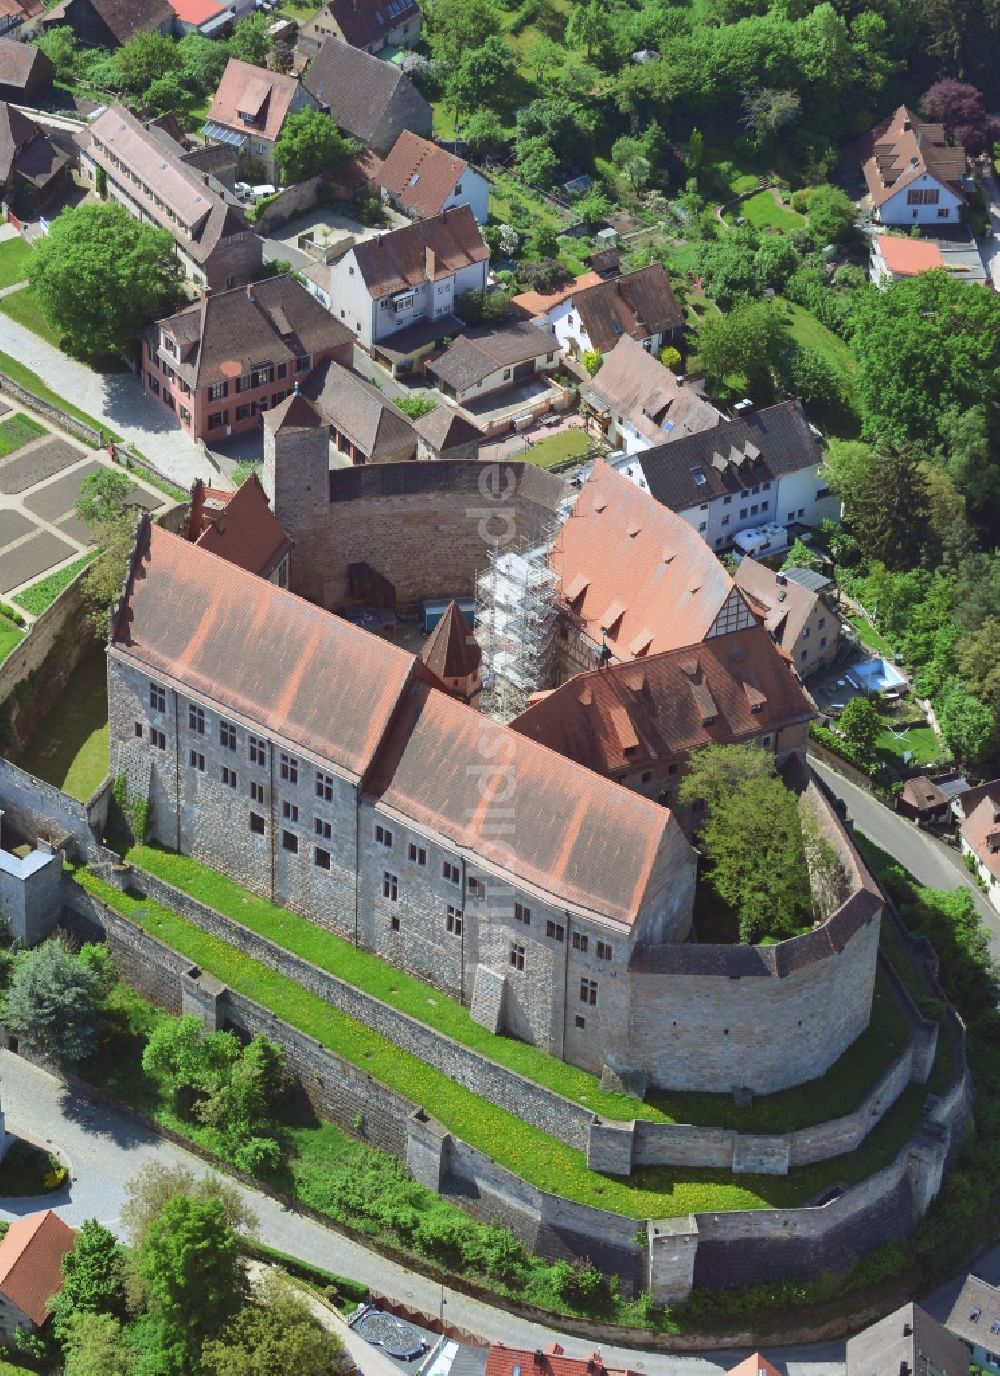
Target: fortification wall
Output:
[(39, 811)]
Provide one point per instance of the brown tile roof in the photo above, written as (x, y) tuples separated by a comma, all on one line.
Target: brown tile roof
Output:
[(420, 174), (622, 718), (908, 1341), (31, 1254), (639, 304), (538, 303), (20, 9), (633, 570), (429, 250), (263, 654), (977, 1297), (358, 20), (981, 830), (227, 333), (294, 413), (901, 149), (18, 60), (512, 1361), (125, 18), (25, 149), (638, 387), (582, 841), (784, 606), (474, 356), (923, 793), (238, 526), (266, 96), (359, 89), (452, 650), (445, 429), (360, 412)]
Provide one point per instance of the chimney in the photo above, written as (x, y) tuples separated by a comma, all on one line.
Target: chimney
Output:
[(907, 123), (430, 264), (250, 295)]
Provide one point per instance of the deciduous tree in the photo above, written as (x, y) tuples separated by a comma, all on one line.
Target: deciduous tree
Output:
[(308, 144), (274, 1335), (53, 1004), (831, 215), (861, 725), (149, 1190), (959, 107), (97, 1345), (750, 342)]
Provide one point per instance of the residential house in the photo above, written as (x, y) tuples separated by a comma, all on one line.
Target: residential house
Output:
[(365, 426), (453, 655), (801, 621), (399, 291), (32, 168), (221, 362), (639, 722), (143, 169), (25, 72), (907, 1342), (422, 179), (761, 470), (895, 258), (980, 839), (241, 528), (110, 23), (922, 801), (914, 176), (534, 305), (975, 1321), (513, 1361), (640, 304), (369, 24), (754, 1365), (370, 100), (31, 1256), (14, 13), (637, 403), (635, 579), (207, 18), (249, 110), (483, 362), (444, 434)]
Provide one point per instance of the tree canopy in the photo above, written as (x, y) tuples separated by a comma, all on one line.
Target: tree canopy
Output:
[(54, 1002), (273, 1335), (308, 144)]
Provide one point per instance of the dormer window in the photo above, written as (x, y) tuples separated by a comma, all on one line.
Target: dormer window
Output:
[(246, 117)]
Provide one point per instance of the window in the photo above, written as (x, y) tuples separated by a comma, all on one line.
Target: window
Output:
[(605, 950), (246, 411), (394, 923), (804, 655), (755, 490), (743, 512), (522, 914), (138, 730), (321, 858), (282, 371), (157, 738), (764, 506), (767, 487), (290, 842), (185, 415), (154, 384), (196, 719), (822, 643), (289, 811), (516, 956), (289, 768), (217, 391), (754, 509), (647, 775), (157, 697), (790, 516), (383, 837), (416, 854), (324, 786), (801, 511), (555, 930), (923, 196), (256, 824), (451, 872), (227, 735), (390, 887), (943, 213), (229, 777), (218, 419), (821, 623), (256, 750), (766, 742), (588, 992), (581, 1021), (805, 634), (580, 942), (453, 921), (726, 501), (256, 792), (323, 828), (196, 760), (671, 769), (477, 887), (703, 526), (262, 377), (301, 364)]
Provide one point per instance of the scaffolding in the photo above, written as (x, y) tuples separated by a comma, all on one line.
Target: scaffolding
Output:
[(517, 610)]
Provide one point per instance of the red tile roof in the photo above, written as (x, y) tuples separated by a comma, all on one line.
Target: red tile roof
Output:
[(907, 257), (421, 174), (634, 573), (267, 96), (580, 841), (903, 148), (537, 303), (981, 830), (196, 11), (30, 1262), (754, 1365), (513, 1361), (622, 718), (239, 526), (452, 651), (260, 652)]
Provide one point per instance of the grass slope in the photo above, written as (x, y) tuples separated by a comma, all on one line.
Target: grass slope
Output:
[(763, 211), (38, 596), (23, 307), (70, 748), (15, 256), (10, 635)]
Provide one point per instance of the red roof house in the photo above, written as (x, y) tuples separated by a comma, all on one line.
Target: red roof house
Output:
[(31, 1256)]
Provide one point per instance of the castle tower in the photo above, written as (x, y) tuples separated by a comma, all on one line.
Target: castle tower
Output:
[(296, 473), (453, 654)]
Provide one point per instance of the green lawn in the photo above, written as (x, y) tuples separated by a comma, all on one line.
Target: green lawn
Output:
[(23, 307), (869, 636), (831, 1096), (70, 748), (811, 333), (533, 1155), (10, 635), (38, 596), (921, 741), (509, 201), (17, 372), (764, 212), (567, 444), (15, 255), (17, 430)]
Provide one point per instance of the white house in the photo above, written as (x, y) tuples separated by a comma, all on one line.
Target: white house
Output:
[(399, 291), (638, 403), (422, 179), (980, 833), (913, 174), (639, 304), (762, 469), (975, 1321)]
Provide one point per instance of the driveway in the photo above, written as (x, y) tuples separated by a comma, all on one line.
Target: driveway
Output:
[(990, 248)]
